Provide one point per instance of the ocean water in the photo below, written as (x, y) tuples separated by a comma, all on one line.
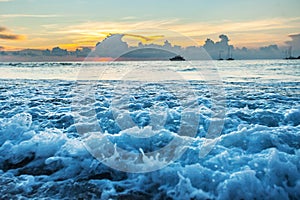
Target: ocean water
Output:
[(189, 130)]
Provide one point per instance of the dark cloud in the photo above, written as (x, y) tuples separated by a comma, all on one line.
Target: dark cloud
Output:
[(5, 35), (294, 44), (10, 37), (295, 39), (295, 35), (2, 29)]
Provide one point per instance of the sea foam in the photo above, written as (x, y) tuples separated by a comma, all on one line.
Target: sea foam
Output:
[(42, 155)]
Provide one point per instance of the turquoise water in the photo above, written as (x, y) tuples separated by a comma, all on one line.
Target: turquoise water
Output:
[(103, 130)]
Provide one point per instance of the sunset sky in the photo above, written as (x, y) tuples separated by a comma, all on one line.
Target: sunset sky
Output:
[(76, 23)]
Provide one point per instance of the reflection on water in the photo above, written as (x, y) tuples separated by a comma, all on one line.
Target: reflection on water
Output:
[(237, 71)]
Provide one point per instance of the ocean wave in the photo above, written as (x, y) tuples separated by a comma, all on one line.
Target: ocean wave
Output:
[(43, 155)]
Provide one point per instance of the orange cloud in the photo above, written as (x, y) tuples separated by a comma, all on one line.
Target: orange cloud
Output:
[(257, 31), (242, 33)]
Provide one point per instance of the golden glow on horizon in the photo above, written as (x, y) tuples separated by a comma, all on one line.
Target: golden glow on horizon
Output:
[(251, 34), (72, 47), (97, 59)]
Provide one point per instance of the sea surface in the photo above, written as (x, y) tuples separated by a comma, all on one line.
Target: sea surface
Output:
[(150, 130)]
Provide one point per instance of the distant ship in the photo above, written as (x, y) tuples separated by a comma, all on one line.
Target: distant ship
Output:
[(177, 58), (292, 58)]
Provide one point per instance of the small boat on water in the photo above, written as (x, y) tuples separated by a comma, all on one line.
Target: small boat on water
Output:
[(292, 58), (177, 58)]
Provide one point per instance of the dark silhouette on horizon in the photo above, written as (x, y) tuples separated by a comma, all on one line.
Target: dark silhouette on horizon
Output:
[(113, 46), (289, 55), (177, 58)]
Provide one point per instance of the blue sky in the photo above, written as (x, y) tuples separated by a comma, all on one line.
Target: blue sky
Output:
[(73, 23)]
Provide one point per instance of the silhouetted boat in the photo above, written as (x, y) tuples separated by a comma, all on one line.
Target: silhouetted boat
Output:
[(177, 58), (292, 58)]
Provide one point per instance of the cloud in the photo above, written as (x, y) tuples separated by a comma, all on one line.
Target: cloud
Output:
[(89, 33), (113, 46), (10, 37), (295, 39), (144, 38), (196, 28), (128, 18), (2, 29), (5, 35), (28, 15), (251, 33), (96, 28), (5, 0), (294, 43)]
